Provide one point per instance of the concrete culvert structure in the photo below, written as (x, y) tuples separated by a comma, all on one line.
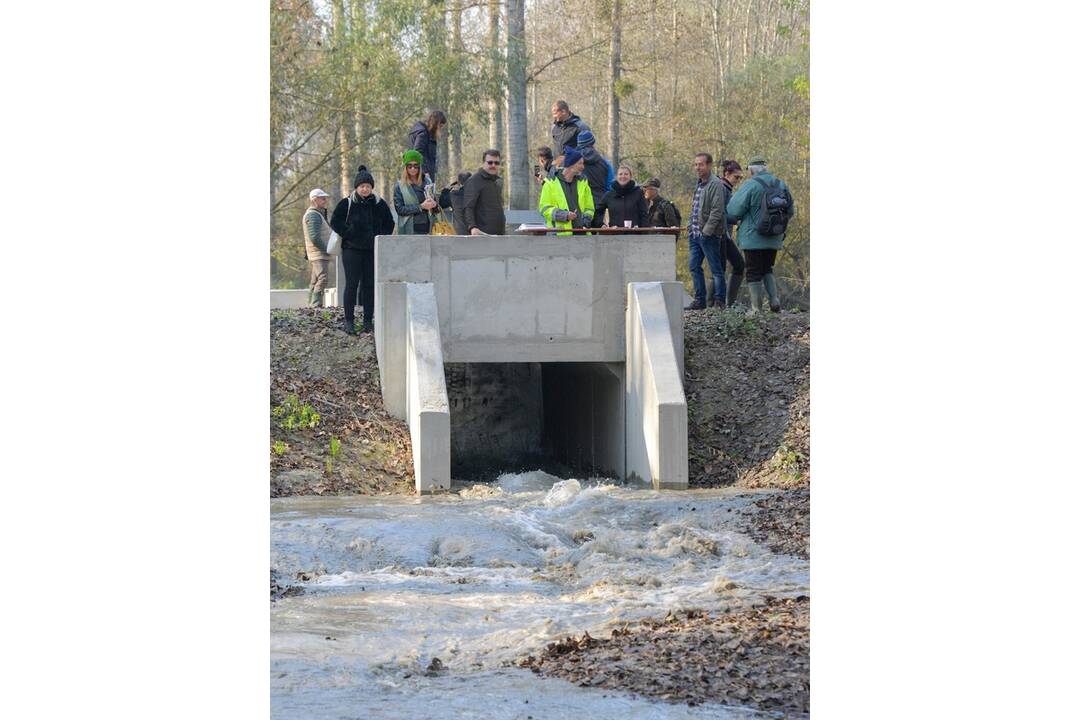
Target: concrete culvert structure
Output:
[(503, 352)]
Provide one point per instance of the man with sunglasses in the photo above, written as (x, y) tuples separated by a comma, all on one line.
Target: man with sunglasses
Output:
[(483, 207)]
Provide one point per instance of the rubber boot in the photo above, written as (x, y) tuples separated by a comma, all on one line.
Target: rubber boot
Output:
[(774, 295), (314, 298), (733, 289), (350, 327), (757, 290)]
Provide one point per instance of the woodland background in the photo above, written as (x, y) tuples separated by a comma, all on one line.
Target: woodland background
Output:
[(655, 81)]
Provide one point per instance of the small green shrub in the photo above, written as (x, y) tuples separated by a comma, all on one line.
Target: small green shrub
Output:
[(292, 415), (280, 447), (335, 453), (735, 323), (786, 460)]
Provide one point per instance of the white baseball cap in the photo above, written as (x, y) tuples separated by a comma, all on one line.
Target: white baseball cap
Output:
[(317, 193)]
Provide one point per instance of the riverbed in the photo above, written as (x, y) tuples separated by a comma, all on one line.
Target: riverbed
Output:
[(419, 607)]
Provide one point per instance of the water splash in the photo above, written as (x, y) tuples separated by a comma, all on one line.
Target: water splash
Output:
[(481, 578)]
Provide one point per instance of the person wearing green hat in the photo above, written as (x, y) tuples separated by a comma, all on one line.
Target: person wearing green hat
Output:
[(757, 243), (414, 200)]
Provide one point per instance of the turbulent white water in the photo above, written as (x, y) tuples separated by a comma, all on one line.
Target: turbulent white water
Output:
[(481, 578)]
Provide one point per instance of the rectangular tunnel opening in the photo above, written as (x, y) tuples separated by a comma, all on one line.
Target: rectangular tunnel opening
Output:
[(567, 419)]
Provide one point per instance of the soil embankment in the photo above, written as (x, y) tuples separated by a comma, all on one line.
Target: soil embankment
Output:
[(747, 392), (314, 364)]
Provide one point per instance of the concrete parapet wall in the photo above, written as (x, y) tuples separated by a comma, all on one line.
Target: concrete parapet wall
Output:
[(428, 409), (292, 299), (656, 440), (288, 299), (515, 298)]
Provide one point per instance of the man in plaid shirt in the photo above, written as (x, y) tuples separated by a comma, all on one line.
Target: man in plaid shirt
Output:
[(706, 229)]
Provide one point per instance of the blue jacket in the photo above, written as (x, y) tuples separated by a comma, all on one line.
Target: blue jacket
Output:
[(598, 172)]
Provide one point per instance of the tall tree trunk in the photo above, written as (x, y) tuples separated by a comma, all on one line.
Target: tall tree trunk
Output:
[(453, 139), (517, 119), (346, 135), (614, 74), (360, 65), (495, 117)]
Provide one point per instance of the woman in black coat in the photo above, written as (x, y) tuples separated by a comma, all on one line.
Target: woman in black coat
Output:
[(625, 203), (424, 136), (358, 219)]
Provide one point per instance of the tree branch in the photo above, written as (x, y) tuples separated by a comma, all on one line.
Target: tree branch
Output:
[(535, 73)]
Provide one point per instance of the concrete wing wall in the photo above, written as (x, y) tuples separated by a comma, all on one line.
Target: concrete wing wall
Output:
[(656, 441), (429, 411)]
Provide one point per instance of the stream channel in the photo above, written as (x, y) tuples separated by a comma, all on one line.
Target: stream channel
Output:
[(482, 577)]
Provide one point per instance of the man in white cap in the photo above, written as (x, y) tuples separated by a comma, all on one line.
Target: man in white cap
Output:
[(316, 235)]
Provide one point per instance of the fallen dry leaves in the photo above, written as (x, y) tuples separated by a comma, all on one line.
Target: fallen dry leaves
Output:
[(753, 657)]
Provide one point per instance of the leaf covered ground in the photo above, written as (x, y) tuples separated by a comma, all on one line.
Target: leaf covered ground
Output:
[(757, 657), (337, 375)]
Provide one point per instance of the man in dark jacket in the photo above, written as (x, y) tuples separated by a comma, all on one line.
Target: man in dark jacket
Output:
[(424, 136), (483, 208), (564, 128), (661, 212), (358, 218)]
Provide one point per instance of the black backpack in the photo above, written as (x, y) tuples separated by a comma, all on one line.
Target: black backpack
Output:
[(678, 215), (775, 208)]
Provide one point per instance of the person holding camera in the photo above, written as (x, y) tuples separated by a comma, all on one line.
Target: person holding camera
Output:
[(545, 167), (413, 199)]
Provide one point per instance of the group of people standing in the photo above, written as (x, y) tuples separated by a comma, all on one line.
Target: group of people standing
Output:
[(579, 188)]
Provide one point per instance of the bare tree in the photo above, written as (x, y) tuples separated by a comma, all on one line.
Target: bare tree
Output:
[(517, 120), (453, 140), (614, 77), (346, 134), (495, 116)]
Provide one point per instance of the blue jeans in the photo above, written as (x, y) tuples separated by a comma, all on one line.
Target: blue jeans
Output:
[(708, 247)]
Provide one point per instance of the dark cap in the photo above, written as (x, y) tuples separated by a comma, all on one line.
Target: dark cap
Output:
[(363, 177), (653, 183), (757, 160)]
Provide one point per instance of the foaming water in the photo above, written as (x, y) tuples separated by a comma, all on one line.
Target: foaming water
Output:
[(480, 578)]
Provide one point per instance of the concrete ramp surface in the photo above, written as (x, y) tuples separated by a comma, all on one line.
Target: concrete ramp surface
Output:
[(593, 325)]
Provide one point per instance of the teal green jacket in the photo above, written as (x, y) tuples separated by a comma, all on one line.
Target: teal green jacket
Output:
[(744, 209)]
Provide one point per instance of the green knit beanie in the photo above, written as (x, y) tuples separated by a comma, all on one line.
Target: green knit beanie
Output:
[(412, 156)]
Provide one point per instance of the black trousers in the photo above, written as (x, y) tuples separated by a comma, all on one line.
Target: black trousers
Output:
[(359, 273), (733, 256), (759, 263)]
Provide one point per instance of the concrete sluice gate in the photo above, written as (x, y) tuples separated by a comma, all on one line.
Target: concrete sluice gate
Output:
[(514, 351)]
